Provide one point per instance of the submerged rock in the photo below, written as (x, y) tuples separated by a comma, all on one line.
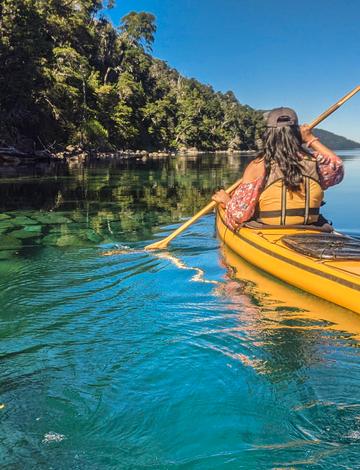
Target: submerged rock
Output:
[(50, 239), (64, 240), (5, 227), (7, 254), (67, 229), (93, 236), (50, 218), (78, 217), (23, 220), (27, 232), (9, 242), (53, 437), (70, 240)]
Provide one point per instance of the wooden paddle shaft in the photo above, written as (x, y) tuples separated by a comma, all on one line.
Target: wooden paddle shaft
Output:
[(334, 107)]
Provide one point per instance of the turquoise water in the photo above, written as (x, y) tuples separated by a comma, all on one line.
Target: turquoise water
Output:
[(166, 359)]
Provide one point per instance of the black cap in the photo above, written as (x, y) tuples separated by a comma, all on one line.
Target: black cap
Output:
[(281, 117)]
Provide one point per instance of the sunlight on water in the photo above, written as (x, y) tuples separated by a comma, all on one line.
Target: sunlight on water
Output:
[(185, 358)]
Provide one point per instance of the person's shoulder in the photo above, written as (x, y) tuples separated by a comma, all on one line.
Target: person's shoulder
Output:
[(255, 169), (258, 162)]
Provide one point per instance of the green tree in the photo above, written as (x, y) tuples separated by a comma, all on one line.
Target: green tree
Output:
[(138, 29), (24, 48), (69, 76)]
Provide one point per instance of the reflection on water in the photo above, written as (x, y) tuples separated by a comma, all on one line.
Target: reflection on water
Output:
[(187, 358), (107, 202)]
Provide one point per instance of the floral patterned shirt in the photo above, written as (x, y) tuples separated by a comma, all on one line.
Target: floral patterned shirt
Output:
[(242, 205)]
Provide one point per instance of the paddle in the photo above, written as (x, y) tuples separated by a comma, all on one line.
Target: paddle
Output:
[(163, 243)]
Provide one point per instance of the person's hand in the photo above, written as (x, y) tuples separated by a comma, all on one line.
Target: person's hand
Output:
[(306, 133), (326, 160), (221, 197)]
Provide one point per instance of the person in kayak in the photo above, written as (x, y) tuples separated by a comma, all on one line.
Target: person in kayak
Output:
[(285, 184)]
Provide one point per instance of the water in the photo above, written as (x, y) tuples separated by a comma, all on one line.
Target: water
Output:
[(188, 358)]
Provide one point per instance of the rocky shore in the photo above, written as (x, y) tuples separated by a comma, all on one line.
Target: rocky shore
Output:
[(14, 156)]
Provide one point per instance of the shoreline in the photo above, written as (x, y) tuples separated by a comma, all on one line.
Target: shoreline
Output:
[(12, 156), (73, 155)]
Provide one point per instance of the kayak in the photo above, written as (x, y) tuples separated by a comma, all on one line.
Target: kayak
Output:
[(324, 264)]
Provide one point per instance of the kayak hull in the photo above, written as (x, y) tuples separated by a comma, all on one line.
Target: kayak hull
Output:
[(337, 281)]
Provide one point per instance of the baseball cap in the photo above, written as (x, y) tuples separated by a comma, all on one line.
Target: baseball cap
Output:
[(281, 117)]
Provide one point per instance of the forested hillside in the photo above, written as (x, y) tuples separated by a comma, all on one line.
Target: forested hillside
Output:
[(68, 76)]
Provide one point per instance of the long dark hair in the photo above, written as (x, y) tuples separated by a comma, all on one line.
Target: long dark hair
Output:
[(282, 145)]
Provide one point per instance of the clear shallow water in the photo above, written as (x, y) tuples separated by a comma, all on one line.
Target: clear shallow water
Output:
[(188, 358)]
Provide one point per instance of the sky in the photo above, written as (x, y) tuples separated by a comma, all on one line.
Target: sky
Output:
[(270, 53)]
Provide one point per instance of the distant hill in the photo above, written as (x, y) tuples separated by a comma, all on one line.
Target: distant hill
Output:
[(334, 141)]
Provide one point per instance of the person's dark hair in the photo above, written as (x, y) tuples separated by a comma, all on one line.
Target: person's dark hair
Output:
[(281, 145)]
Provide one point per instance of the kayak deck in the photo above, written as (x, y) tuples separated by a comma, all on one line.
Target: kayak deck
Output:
[(337, 281), (328, 246)]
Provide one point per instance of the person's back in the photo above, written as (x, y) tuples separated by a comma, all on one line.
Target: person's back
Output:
[(278, 205), (284, 186)]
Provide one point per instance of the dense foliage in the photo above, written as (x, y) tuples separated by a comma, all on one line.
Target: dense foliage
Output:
[(69, 76)]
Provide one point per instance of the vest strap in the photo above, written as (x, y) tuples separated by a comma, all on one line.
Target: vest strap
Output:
[(307, 200), (283, 204), (289, 212)]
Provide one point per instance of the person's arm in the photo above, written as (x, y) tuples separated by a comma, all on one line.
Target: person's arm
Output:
[(251, 173), (241, 206), (330, 166), (314, 143)]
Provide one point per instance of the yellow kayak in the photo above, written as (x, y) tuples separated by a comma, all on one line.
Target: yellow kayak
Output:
[(326, 265)]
